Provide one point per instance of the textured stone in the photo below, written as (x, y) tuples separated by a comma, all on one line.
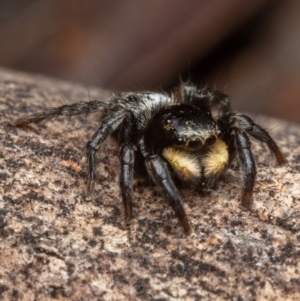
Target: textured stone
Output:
[(55, 244)]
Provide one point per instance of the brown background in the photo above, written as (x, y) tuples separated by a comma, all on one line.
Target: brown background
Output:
[(250, 49)]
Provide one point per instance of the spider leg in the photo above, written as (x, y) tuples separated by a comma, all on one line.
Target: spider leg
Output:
[(108, 125), (65, 110), (243, 149), (206, 98), (257, 132), (127, 141), (160, 175)]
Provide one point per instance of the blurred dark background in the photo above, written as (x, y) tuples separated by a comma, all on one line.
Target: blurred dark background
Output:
[(249, 49)]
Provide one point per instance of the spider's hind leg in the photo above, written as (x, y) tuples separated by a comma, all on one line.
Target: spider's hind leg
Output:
[(127, 142), (65, 110), (107, 127)]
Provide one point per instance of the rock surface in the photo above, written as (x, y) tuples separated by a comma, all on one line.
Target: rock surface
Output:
[(56, 245)]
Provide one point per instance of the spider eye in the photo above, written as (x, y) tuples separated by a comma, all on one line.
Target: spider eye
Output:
[(210, 141), (195, 143), (180, 141)]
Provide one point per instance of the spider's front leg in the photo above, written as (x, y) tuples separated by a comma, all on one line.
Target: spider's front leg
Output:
[(236, 128), (107, 127), (243, 149), (257, 132), (127, 142), (160, 175), (65, 110)]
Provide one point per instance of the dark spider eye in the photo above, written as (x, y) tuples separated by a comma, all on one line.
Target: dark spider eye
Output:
[(168, 121), (195, 143), (210, 141), (180, 141)]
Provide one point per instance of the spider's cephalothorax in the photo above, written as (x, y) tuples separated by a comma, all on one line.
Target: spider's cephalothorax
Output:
[(177, 136)]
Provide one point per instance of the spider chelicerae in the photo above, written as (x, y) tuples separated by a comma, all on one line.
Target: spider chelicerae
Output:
[(176, 135)]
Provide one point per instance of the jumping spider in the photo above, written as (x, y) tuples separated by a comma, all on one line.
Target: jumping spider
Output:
[(177, 137)]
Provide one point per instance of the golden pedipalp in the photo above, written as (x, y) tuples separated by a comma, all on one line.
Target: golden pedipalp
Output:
[(215, 161), (185, 164)]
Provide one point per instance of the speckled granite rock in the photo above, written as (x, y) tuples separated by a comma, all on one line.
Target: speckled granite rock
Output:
[(54, 244)]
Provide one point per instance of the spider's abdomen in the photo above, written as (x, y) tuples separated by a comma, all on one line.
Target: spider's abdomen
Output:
[(143, 105)]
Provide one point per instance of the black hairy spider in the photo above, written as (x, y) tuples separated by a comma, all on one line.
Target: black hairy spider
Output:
[(177, 137)]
